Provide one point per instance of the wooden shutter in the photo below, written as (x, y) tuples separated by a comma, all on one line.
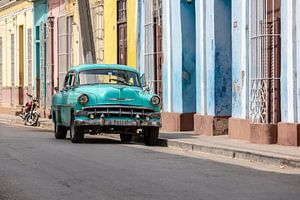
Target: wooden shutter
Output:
[(62, 50)]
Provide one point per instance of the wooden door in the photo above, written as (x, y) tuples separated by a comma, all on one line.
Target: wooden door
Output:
[(122, 31), (273, 58)]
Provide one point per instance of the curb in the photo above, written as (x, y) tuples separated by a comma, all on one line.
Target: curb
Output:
[(231, 153), (218, 151)]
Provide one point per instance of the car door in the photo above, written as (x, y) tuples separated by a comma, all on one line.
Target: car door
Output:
[(65, 107)]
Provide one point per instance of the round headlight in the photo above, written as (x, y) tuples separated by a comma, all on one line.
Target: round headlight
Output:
[(83, 99), (155, 100)]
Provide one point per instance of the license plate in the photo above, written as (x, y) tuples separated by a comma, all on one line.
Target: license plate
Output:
[(121, 122)]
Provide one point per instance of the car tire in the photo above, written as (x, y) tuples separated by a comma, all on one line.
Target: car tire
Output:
[(60, 132), (126, 137), (76, 135), (151, 136)]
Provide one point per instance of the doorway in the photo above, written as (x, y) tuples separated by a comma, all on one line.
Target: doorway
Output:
[(265, 61), (188, 32), (122, 31)]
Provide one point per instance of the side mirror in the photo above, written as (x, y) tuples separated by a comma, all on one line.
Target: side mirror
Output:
[(143, 80), (56, 89)]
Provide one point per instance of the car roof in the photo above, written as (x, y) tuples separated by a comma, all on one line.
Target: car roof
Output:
[(85, 67)]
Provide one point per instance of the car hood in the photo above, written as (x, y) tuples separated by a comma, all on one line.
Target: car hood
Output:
[(116, 95)]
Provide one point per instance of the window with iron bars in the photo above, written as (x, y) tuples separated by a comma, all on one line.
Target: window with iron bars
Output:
[(265, 61), (153, 44)]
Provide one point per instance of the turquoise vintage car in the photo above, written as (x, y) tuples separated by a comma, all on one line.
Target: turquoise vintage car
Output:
[(105, 99)]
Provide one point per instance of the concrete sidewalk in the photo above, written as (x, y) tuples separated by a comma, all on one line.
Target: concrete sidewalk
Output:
[(218, 145)]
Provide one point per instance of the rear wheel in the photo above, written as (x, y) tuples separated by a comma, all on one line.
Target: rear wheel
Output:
[(151, 135), (76, 135), (126, 137)]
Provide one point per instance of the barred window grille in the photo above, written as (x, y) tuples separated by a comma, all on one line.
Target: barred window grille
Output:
[(153, 44), (97, 13), (265, 61)]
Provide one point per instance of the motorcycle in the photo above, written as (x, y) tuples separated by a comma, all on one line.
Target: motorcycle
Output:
[(30, 115)]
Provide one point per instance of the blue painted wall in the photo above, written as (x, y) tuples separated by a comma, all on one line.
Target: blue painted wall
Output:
[(284, 78), (141, 36), (290, 61), (176, 57), (179, 56), (238, 84), (223, 57), (200, 55), (40, 15), (297, 21), (214, 57), (188, 28), (166, 55), (210, 56)]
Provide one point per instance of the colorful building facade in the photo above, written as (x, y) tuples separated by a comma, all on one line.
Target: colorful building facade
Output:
[(265, 72), (230, 67), (16, 54), (120, 32), (40, 48)]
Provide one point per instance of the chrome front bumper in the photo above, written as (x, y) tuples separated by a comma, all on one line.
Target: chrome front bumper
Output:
[(108, 122)]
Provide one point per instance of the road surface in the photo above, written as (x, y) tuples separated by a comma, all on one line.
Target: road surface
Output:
[(35, 166)]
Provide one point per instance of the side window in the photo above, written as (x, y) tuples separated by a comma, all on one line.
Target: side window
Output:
[(66, 81), (72, 80)]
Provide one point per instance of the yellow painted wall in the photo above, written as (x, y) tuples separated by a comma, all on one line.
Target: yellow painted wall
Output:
[(131, 33), (110, 32), (9, 25)]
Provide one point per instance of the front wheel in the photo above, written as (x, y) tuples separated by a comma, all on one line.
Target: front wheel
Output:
[(31, 119), (76, 135), (60, 132), (151, 135)]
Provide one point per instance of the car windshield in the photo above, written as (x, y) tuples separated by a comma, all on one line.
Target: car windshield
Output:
[(109, 76)]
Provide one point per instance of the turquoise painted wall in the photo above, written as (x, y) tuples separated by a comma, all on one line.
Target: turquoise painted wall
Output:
[(40, 15)]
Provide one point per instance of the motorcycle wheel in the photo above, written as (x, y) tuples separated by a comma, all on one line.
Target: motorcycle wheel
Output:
[(31, 119)]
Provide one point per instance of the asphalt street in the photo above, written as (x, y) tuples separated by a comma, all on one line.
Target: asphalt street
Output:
[(35, 166)]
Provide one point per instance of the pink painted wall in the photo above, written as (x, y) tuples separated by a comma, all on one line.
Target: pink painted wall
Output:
[(55, 7)]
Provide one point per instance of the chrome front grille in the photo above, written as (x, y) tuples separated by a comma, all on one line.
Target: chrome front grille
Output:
[(119, 111)]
